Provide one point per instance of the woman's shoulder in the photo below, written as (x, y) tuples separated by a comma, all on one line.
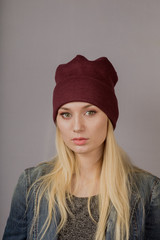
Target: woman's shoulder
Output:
[(32, 174), (142, 176), (146, 183)]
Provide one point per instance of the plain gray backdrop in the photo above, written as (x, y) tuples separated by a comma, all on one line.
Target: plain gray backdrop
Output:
[(36, 36)]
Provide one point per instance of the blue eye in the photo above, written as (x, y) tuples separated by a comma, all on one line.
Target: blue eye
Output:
[(65, 115), (90, 113)]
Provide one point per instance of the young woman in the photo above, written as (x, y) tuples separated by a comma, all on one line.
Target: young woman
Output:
[(90, 190)]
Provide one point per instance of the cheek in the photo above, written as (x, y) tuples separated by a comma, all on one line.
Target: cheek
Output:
[(100, 132), (65, 133), (66, 137), (63, 127)]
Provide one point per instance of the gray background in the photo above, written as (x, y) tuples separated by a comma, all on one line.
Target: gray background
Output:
[(38, 35)]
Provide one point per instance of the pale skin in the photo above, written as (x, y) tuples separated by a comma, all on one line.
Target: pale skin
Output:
[(83, 127)]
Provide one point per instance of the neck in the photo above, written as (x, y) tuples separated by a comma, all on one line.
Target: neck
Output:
[(87, 183), (90, 163), (89, 168)]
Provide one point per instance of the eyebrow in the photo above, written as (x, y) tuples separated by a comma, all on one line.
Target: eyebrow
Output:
[(89, 105)]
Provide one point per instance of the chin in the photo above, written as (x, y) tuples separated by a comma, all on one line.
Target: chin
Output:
[(79, 149), (82, 151)]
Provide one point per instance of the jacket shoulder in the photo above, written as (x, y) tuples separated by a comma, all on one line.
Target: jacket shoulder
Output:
[(34, 173), (143, 178), (146, 185)]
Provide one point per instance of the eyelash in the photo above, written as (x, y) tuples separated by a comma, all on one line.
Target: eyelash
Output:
[(63, 114), (91, 113)]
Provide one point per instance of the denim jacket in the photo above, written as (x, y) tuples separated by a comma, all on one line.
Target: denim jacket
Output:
[(145, 210)]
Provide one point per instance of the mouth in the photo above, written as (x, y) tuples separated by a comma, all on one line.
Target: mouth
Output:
[(79, 141)]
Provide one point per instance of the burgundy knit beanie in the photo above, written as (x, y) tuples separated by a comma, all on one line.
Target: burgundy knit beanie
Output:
[(82, 80)]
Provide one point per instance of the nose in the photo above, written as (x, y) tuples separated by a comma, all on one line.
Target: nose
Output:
[(78, 124)]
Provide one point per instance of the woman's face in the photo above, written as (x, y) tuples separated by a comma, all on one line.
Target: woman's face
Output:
[(83, 127)]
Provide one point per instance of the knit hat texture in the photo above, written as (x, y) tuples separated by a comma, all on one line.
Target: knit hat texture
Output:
[(82, 80)]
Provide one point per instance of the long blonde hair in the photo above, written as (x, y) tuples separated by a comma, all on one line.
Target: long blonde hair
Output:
[(115, 187)]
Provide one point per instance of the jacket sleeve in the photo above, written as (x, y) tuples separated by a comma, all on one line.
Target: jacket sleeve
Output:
[(16, 228), (152, 224)]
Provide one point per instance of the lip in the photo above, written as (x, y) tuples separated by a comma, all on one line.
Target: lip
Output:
[(79, 141)]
